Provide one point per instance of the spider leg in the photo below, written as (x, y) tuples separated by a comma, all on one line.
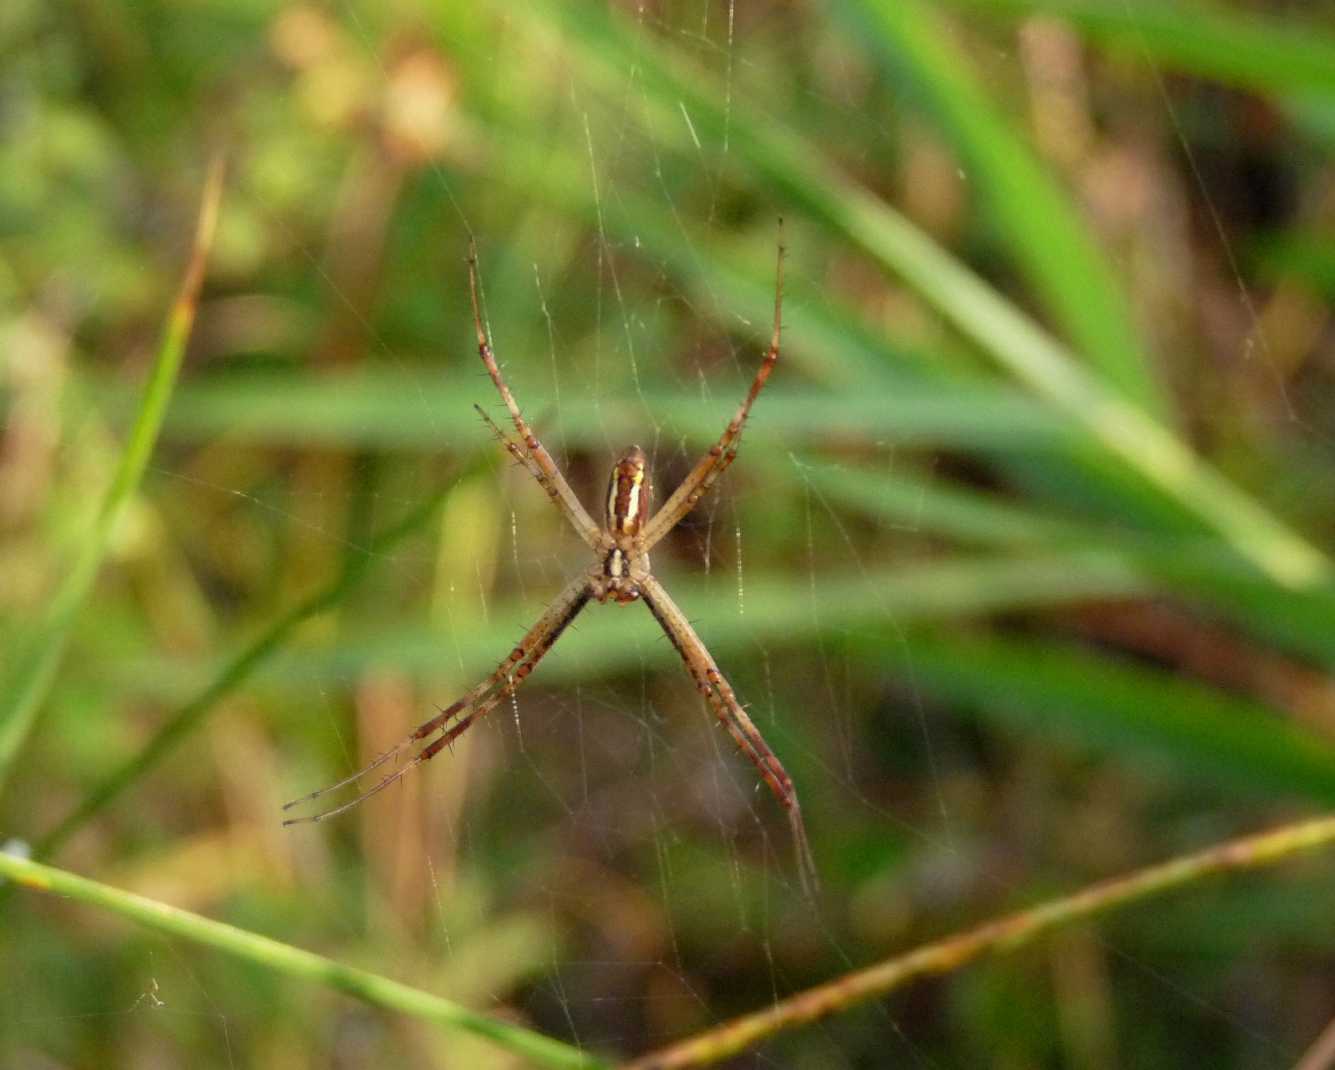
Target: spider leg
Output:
[(521, 456), (723, 701), (534, 455), (715, 462), (472, 707)]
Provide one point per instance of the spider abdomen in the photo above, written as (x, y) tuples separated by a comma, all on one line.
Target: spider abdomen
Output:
[(628, 493)]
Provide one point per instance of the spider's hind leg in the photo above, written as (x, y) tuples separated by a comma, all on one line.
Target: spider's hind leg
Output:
[(718, 693), (468, 710)]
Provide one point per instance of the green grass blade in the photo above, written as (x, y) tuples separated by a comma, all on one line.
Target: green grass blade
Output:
[(917, 503), (1045, 234), (390, 410), (1199, 570), (1057, 690), (1241, 50), (32, 670), (293, 962), (604, 51)]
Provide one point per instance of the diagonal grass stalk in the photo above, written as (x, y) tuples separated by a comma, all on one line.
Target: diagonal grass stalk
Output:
[(294, 962), (995, 937), (32, 669), (1042, 230)]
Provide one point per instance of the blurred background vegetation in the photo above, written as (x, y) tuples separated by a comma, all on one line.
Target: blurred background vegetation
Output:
[(1021, 569)]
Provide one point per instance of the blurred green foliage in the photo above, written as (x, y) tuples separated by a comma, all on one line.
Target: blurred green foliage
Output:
[(1021, 569)]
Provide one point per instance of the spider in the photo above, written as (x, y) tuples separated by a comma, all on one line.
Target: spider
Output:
[(620, 573)]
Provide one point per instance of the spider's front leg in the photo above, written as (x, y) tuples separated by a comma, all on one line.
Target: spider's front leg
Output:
[(715, 462), (529, 452)]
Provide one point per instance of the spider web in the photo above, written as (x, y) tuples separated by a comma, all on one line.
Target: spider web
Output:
[(596, 853)]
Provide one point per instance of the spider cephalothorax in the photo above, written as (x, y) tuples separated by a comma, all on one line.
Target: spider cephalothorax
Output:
[(620, 573)]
